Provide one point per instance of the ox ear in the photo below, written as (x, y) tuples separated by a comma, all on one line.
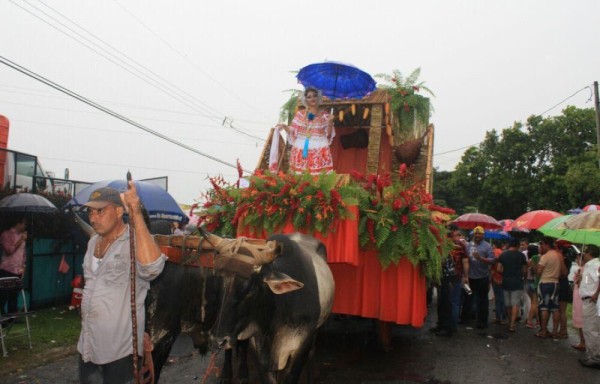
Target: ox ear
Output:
[(281, 283)]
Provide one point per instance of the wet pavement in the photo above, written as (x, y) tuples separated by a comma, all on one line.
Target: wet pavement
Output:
[(348, 352)]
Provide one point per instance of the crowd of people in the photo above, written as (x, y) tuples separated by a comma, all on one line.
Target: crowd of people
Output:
[(528, 284)]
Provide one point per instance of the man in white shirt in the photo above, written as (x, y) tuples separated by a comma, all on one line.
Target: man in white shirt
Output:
[(589, 289)]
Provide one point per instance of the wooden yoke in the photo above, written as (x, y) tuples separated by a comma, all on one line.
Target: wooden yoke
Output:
[(240, 256)]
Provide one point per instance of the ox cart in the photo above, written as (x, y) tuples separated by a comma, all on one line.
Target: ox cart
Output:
[(375, 215)]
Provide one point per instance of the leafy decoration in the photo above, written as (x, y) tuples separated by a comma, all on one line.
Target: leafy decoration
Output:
[(288, 109), (394, 217), (406, 102)]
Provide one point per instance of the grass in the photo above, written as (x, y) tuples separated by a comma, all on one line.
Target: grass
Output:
[(54, 334)]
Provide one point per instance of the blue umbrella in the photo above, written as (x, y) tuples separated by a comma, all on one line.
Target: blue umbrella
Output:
[(157, 201), (494, 235), (337, 80)]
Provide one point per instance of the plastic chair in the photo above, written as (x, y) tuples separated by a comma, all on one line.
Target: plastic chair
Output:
[(7, 320)]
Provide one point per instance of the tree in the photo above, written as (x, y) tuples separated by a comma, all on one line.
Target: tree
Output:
[(549, 164)]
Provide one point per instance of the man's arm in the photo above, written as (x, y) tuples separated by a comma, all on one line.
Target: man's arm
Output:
[(595, 295), (539, 268), (465, 263), (147, 251)]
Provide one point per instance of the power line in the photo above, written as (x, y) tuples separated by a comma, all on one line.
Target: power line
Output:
[(195, 125), (68, 92), (140, 75), (184, 57), (134, 166), (34, 92), (44, 123)]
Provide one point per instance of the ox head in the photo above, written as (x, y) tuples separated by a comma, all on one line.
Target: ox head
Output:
[(246, 269)]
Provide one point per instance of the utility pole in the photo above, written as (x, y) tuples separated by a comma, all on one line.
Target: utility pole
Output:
[(597, 108)]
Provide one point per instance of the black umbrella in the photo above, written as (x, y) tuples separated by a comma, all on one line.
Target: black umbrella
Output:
[(26, 203)]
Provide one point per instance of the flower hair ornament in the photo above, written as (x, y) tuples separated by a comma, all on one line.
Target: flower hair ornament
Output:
[(313, 89)]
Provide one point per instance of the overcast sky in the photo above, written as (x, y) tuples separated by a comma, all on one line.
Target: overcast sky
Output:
[(182, 68)]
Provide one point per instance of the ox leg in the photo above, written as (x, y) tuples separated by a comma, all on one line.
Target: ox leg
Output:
[(242, 356), (227, 371), (309, 364), (298, 362), (160, 354)]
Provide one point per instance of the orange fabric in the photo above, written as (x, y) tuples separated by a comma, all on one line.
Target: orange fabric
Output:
[(342, 246), (362, 287)]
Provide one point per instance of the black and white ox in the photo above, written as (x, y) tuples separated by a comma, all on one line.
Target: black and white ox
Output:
[(278, 305)]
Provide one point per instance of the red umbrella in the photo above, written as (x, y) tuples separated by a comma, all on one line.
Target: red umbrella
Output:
[(506, 224), (472, 220), (592, 207), (534, 219)]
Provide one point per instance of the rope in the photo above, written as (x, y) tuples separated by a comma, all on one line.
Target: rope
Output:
[(211, 365)]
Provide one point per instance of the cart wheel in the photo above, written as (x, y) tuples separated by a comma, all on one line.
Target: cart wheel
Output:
[(384, 335)]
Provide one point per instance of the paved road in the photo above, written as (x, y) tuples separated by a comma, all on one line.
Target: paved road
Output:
[(348, 353)]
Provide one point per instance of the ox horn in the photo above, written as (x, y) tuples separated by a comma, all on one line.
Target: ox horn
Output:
[(85, 227)]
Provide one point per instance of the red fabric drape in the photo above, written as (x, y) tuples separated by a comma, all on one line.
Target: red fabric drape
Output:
[(362, 287)]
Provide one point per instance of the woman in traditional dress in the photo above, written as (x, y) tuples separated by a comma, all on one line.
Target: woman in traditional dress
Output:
[(310, 135)]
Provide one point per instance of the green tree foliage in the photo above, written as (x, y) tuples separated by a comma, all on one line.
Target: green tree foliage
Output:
[(548, 164)]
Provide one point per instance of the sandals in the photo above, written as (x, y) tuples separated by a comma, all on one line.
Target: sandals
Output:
[(541, 334), (562, 335), (511, 329), (578, 347), (529, 324)]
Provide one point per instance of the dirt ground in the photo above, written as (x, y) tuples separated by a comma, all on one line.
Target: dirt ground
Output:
[(348, 352)]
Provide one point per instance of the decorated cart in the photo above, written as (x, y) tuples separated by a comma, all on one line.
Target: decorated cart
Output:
[(384, 236)]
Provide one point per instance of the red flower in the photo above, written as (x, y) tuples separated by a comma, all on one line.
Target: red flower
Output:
[(335, 197), (413, 208), (397, 204), (404, 219), (403, 170), (394, 228)]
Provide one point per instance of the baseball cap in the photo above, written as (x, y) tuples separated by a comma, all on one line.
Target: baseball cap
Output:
[(478, 229), (104, 196)]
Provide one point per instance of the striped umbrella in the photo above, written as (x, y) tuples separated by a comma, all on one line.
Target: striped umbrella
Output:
[(590, 208), (586, 220), (565, 227), (472, 220)]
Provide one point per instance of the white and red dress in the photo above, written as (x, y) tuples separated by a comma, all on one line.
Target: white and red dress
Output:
[(317, 158)]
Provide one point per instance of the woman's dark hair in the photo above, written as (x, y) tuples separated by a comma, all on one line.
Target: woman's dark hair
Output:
[(310, 89), (10, 220), (532, 250)]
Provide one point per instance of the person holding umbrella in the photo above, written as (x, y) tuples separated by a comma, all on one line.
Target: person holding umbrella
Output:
[(310, 134), (106, 340), (12, 263), (481, 256)]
